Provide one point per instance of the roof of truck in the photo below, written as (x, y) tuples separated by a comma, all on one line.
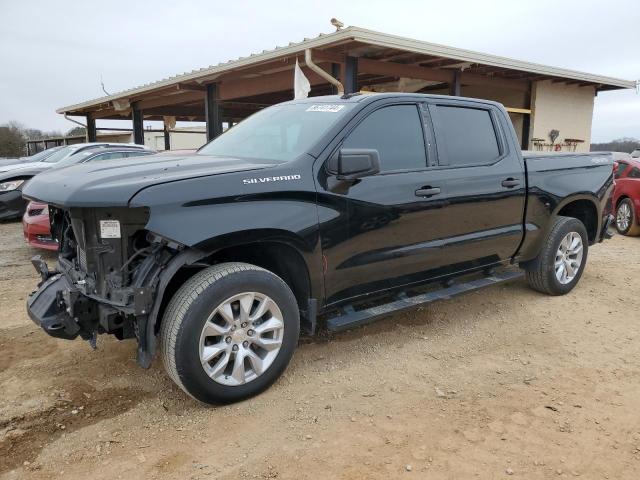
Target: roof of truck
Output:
[(360, 97)]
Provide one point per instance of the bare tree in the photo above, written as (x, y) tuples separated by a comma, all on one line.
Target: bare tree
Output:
[(76, 131), (12, 140), (14, 137)]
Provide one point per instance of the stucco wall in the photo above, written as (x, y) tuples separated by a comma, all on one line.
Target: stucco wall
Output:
[(566, 108)]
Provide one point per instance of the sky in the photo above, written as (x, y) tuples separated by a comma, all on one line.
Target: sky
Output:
[(55, 53)]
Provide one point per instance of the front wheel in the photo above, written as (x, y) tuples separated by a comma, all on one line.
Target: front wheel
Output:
[(229, 332), (559, 265), (626, 219)]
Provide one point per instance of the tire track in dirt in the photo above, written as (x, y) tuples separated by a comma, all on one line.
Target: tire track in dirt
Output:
[(77, 406)]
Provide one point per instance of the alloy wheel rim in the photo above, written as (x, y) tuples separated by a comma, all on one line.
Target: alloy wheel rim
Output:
[(623, 218), (241, 338), (569, 257)]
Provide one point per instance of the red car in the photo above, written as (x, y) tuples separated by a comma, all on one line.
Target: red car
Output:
[(626, 196), (35, 225)]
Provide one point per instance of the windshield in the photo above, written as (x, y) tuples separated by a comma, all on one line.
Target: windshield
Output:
[(281, 132), (60, 154)]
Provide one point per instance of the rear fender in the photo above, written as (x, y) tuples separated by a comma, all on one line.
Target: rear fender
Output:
[(539, 224)]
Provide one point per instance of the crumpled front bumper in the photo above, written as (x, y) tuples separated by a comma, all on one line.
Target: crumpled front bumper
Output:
[(59, 307), (47, 307)]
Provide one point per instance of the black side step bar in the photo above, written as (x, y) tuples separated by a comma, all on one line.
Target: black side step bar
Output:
[(354, 318)]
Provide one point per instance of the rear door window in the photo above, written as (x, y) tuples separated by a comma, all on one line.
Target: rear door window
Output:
[(137, 153), (622, 167), (396, 133), (465, 136), (108, 156)]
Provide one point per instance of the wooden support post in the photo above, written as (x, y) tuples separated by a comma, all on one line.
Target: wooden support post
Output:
[(91, 129), (455, 87), (350, 80), (335, 73), (526, 121), (213, 112), (526, 126), (138, 124), (167, 138)]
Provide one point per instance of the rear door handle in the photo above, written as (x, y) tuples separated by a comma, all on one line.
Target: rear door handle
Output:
[(427, 191), (510, 183)]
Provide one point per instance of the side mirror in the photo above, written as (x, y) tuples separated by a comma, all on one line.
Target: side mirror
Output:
[(355, 163)]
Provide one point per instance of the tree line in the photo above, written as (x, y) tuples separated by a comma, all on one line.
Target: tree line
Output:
[(14, 137), (625, 144)]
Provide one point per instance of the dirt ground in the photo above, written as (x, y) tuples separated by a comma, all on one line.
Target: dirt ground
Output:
[(503, 383)]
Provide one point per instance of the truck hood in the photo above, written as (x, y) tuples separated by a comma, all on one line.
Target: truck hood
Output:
[(114, 182), (15, 167)]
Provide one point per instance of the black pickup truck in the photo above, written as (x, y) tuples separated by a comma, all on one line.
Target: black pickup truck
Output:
[(327, 212)]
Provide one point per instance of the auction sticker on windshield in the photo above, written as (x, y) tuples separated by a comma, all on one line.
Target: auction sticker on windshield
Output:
[(325, 108), (109, 229)]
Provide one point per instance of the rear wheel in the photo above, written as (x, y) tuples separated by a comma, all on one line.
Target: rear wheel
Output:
[(626, 219), (229, 332), (559, 265)]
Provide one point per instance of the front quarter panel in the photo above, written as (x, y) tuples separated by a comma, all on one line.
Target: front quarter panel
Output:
[(209, 213)]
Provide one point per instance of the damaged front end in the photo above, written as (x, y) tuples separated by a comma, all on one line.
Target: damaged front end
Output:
[(106, 279)]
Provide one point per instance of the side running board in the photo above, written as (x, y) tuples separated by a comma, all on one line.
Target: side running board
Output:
[(354, 318)]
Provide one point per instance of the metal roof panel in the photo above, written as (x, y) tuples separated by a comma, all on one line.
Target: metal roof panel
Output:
[(363, 36)]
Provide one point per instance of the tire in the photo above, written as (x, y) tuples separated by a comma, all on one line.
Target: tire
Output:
[(229, 289), (627, 219), (542, 274)]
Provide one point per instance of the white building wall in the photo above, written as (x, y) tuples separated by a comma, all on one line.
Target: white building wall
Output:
[(184, 140), (179, 140), (566, 108)]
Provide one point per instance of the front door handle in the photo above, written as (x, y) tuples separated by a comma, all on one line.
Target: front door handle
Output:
[(510, 182), (427, 191)]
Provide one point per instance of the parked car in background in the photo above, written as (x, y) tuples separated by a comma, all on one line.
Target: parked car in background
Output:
[(626, 196), (620, 156), (636, 153), (36, 228), (13, 177), (38, 157), (35, 221)]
